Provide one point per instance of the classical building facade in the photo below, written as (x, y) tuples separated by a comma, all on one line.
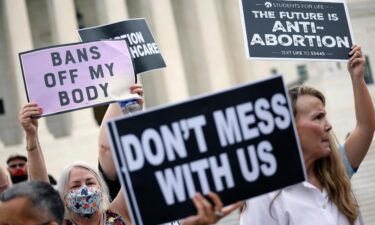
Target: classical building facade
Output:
[(202, 44)]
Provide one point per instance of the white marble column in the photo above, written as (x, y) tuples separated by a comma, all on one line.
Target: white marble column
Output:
[(165, 31), (213, 44), (62, 15), (16, 37), (110, 11), (168, 84), (63, 22), (230, 21), (203, 45)]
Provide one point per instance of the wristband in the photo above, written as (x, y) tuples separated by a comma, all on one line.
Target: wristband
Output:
[(30, 149)]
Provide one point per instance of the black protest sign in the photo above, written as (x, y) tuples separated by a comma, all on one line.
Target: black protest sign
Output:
[(142, 46), (238, 143), (313, 30)]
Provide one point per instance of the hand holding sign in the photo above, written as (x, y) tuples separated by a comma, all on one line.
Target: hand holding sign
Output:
[(356, 65), (208, 214), (28, 118), (137, 89)]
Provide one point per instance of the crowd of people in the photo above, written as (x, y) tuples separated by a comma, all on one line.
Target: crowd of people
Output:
[(86, 195)]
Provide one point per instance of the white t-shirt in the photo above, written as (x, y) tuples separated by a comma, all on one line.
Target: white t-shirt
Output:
[(299, 204)]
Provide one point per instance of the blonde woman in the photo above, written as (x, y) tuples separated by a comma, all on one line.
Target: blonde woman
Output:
[(326, 197)]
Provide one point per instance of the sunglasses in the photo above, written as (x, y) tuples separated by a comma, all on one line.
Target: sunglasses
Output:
[(15, 165)]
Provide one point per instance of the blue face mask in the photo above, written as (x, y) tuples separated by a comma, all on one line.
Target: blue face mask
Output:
[(84, 201)]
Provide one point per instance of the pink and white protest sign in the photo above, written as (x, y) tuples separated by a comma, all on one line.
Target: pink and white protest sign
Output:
[(79, 75)]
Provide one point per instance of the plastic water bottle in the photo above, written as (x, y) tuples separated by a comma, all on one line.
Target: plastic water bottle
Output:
[(130, 106)]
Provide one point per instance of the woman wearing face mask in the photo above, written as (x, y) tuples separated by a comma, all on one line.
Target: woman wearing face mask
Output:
[(86, 197), (326, 197), (81, 188)]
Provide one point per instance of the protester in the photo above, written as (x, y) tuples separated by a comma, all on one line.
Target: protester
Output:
[(4, 180), (84, 192), (86, 197), (17, 168), (326, 198), (31, 203), (82, 189)]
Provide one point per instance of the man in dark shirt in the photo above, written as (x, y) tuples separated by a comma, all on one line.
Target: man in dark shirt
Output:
[(17, 168)]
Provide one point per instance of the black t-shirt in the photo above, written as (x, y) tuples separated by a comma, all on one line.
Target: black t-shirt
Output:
[(52, 180), (114, 186)]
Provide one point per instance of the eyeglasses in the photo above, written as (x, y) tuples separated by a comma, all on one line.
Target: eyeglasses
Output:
[(15, 165)]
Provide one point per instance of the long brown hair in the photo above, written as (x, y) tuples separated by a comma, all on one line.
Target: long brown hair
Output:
[(330, 170)]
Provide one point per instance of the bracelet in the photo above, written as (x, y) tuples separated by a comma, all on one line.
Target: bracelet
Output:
[(29, 149)]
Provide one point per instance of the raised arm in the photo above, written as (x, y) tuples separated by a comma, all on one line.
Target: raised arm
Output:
[(105, 155), (358, 143), (29, 122)]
